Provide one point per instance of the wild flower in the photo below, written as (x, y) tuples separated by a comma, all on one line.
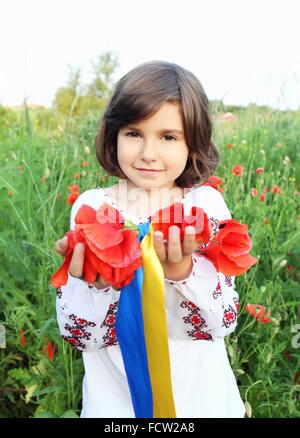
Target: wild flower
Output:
[(49, 350), (73, 188), (72, 197), (237, 170), (23, 338), (258, 312), (215, 182)]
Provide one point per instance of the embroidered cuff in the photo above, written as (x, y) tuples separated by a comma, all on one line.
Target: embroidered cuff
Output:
[(185, 280)]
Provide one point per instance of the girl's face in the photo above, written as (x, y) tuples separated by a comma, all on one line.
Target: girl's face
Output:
[(156, 144)]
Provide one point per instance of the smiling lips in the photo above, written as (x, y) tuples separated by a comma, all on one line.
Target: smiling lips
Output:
[(149, 170)]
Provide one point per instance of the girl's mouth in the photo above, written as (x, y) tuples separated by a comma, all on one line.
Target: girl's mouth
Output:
[(149, 171)]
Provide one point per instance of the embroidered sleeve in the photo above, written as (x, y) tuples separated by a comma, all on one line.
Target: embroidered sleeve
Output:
[(204, 305), (86, 316)]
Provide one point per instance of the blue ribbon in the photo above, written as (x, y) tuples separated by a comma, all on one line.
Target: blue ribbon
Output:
[(131, 339)]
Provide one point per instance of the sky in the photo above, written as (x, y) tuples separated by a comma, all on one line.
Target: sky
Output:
[(242, 51)]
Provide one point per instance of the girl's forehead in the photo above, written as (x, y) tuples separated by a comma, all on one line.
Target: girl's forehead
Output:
[(168, 114)]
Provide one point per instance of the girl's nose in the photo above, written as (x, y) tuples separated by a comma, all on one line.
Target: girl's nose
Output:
[(149, 151)]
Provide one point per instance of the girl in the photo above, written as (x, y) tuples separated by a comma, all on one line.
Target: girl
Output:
[(156, 136)]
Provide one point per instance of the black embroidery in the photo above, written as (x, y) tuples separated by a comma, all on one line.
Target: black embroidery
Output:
[(229, 316), (196, 321), (59, 293), (214, 225), (218, 291), (110, 337), (228, 280), (78, 331)]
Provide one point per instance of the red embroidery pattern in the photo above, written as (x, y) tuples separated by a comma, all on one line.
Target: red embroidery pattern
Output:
[(214, 224), (237, 304), (77, 331), (229, 316), (195, 319), (110, 337), (218, 291)]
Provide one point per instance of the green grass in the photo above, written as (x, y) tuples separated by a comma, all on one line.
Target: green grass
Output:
[(34, 213)]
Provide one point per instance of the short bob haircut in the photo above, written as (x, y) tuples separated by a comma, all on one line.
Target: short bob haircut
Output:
[(138, 95)]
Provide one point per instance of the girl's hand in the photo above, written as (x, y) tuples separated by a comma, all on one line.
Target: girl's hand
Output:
[(76, 265), (174, 250), (174, 255)]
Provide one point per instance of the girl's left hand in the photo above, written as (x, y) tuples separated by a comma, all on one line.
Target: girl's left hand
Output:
[(174, 251)]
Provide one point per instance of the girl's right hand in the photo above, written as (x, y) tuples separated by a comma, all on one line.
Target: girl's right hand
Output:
[(76, 265)]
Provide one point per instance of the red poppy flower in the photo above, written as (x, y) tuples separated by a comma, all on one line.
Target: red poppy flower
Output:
[(84, 164), (73, 188), (237, 170), (111, 250), (259, 170), (23, 339), (49, 350), (277, 189), (262, 197), (215, 182), (258, 312), (253, 192), (230, 146), (163, 219), (229, 249), (77, 175), (72, 197)]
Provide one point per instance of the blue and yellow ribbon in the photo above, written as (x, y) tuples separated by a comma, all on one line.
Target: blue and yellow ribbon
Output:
[(141, 329)]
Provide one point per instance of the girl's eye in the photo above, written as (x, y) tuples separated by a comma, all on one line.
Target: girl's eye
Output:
[(135, 134), (169, 137)]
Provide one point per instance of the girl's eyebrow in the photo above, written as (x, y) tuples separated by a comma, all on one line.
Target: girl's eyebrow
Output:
[(163, 131)]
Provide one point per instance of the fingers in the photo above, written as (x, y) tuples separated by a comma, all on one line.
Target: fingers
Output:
[(174, 245), (77, 261), (61, 245), (175, 250), (159, 245), (189, 241)]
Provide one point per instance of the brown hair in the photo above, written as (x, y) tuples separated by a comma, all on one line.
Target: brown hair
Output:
[(138, 95)]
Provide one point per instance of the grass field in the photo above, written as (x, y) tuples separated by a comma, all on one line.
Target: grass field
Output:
[(40, 374)]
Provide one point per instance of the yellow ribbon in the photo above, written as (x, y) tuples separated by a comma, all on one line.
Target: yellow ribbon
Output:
[(156, 332)]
